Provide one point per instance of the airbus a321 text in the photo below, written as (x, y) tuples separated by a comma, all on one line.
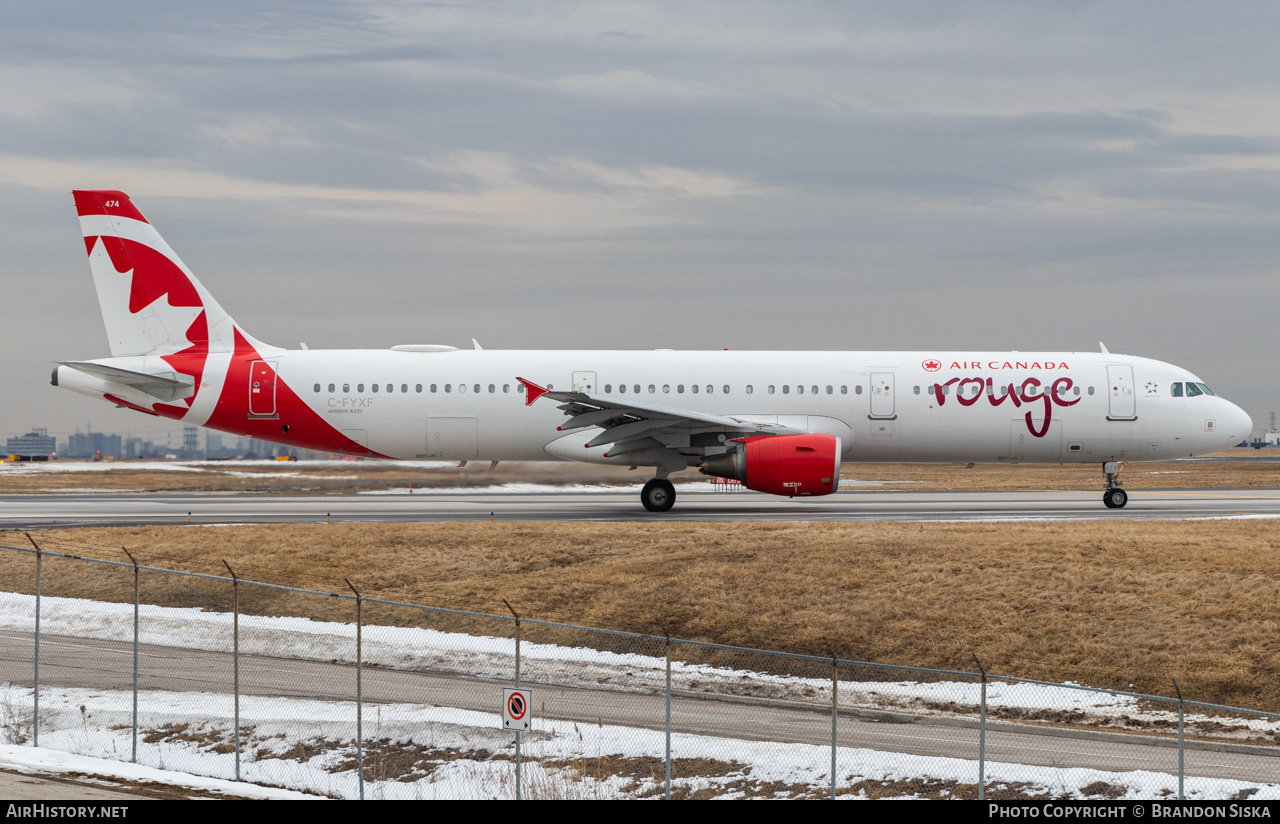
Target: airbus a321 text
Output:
[(778, 422)]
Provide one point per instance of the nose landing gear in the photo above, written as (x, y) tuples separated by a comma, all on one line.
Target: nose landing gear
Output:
[(1114, 497)]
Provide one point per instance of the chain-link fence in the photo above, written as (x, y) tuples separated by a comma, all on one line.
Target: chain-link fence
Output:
[(350, 696)]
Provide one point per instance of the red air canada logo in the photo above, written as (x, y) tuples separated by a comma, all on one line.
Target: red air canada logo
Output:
[(932, 365)]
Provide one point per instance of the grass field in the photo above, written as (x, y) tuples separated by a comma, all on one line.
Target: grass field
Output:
[(358, 476), (1111, 604)]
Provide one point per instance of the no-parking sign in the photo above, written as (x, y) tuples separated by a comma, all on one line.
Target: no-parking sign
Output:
[(515, 709)]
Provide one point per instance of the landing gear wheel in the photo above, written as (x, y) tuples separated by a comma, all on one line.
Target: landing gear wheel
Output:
[(658, 495), (1115, 498)]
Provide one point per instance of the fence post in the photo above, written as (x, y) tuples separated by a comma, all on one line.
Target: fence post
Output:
[(668, 755), (518, 734), (359, 693), (137, 595), (835, 713), (35, 692), (1181, 751), (235, 654), (982, 733)]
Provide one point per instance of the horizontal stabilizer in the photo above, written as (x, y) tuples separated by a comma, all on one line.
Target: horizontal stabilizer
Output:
[(168, 386)]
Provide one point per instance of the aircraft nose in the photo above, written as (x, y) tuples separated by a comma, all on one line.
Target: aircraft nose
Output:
[(1239, 424)]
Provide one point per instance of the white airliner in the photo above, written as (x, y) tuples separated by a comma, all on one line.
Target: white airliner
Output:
[(778, 422)]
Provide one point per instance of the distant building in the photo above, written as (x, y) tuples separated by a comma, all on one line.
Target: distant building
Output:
[(35, 443), (213, 446), (89, 444)]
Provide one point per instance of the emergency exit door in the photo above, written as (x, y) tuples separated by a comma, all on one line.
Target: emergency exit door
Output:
[(584, 382), (882, 404), (262, 389)]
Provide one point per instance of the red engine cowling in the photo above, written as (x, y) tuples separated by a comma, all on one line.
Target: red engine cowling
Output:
[(790, 465)]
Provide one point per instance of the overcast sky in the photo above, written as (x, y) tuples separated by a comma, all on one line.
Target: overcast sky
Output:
[(936, 176)]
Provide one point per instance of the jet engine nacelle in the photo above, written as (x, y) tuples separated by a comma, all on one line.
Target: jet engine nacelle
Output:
[(791, 465)]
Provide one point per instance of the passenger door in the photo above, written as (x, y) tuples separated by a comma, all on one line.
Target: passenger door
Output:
[(1121, 397), (262, 389)]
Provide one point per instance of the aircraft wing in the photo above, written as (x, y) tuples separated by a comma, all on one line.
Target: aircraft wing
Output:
[(632, 425)]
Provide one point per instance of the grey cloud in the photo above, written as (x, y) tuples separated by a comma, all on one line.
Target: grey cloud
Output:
[(894, 194)]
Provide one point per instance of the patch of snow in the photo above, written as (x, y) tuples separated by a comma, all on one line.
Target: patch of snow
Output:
[(51, 761), (305, 743)]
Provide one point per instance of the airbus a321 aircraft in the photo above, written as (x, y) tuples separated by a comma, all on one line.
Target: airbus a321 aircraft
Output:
[(778, 422)]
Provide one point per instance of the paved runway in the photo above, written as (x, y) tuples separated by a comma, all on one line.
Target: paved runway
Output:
[(107, 665), (130, 509)]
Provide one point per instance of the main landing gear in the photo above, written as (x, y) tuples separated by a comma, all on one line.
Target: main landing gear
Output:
[(658, 495), (1114, 497)]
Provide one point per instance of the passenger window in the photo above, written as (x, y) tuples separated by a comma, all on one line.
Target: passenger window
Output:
[(492, 389), (749, 389), (930, 389), (830, 390), (462, 387), (636, 389), (666, 389), (317, 387), (330, 387), (622, 387), (551, 387), (726, 389), (813, 390), (375, 387), (786, 390), (710, 389), (1076, 390), (770, 389), (391, 387), (404, 387), (680, 389), (917, 390), (799, 389), (520, 388), (694, 389), (652, 389), (346, 387), (506, 389), (433, 387), (477, 388), (857, 389), (1090, 390), (418, 388), (608, 389), (1193, 390), (844, 390), (448, 387), (359, 387)]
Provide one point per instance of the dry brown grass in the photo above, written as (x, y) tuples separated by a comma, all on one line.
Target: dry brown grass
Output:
[(1109, 603), (355, 476)]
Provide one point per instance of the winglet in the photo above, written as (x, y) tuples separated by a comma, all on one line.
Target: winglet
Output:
[(1103, 347), (533, 391)]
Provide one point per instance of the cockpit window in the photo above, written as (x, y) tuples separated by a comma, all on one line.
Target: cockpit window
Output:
[(1193, 389), (1176, 390), (1206, 389)]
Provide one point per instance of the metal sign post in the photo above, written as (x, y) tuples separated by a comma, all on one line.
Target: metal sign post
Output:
[(515, 716)]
